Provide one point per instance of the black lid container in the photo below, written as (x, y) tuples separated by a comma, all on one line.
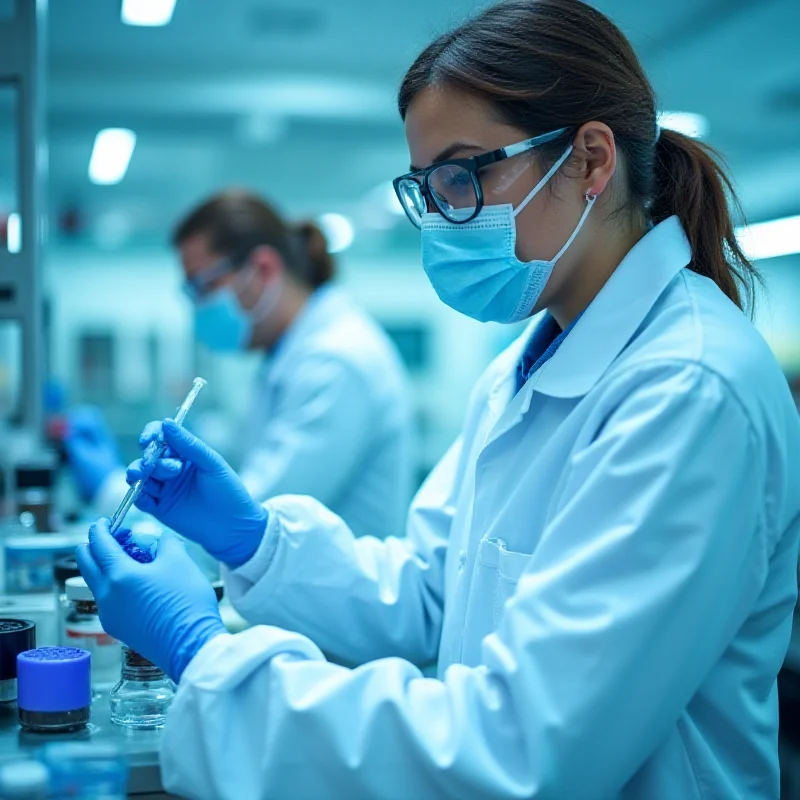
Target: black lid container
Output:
[(65, 568), (16, 636)]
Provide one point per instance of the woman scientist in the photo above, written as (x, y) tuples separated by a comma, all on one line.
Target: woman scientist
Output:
[(605, 562), (330, 415)]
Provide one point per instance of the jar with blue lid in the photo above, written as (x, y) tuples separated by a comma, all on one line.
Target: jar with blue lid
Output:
[(54, 687)]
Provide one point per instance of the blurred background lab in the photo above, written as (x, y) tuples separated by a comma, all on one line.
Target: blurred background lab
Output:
[(329, 414), (119, 118)]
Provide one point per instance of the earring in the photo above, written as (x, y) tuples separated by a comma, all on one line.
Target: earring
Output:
[(591, 194)]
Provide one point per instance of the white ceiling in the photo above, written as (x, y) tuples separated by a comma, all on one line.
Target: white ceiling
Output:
[(296, 97)]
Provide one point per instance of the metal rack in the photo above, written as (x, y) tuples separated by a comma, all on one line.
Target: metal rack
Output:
[(22, 54)]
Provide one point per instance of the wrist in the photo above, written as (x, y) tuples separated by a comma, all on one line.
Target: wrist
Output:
[(192, 642), (247, 545)]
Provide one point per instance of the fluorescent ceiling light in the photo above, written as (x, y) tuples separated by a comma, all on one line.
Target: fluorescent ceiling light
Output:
[(113, 148), (778, 237), (283, 95), (14, 233), (261, 129), (694, 125), (338, 231), (152, 13)]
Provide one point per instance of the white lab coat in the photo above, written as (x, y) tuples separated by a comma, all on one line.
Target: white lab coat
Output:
[(605, 564), (330, 417)]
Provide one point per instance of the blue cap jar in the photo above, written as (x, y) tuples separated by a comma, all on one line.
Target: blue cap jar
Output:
[(54, 687)]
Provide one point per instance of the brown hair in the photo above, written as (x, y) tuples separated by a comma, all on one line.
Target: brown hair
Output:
[(237, 222), (549, 64)]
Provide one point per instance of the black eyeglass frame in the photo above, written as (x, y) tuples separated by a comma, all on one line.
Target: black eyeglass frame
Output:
[(471, 164)]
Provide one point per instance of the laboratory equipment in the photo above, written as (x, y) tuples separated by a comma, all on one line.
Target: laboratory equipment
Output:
[(82, 628), (29, 560), (154, 452), (24, 780), (38, 503), (143, 695), (35, 479), (89, 770), (36, 608), (22, 51), (16, 636), (63, 569), (54, 689)]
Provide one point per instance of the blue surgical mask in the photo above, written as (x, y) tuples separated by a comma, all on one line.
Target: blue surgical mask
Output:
[(474, 267), (223, 325)]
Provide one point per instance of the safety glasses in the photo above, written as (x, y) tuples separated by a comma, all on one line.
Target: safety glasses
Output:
[(453, 186), (202, 284)]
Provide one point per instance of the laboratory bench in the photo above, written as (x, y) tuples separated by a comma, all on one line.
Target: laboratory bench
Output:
[(140, 748)]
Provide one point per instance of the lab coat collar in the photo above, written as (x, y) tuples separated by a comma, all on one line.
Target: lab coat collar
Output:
[(614, 315)]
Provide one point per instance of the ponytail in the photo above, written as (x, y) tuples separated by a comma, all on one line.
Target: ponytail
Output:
[(319, 264), (691, 183), (238, 221)]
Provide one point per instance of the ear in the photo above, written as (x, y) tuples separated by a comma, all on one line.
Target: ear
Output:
[(595, 152), (268, 262)]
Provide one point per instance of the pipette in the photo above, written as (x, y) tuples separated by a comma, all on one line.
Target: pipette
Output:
[(155, 450)]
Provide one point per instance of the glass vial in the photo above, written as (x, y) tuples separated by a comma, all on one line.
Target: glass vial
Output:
[(143, 695), (82, 628)]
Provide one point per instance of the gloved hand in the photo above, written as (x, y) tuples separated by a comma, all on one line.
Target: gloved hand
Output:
[(166, 610), (193, 491), (91, 449)]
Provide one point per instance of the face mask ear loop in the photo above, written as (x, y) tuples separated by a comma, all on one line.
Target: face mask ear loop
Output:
[(590, 200), (536, 189), (267, 300)]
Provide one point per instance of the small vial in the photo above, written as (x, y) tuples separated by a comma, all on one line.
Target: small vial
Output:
[(143, 695), (16, 636), (55, 689), (82, 628), (63, 569)]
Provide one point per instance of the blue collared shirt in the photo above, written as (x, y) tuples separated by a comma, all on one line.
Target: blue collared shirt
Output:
[(541, 347)]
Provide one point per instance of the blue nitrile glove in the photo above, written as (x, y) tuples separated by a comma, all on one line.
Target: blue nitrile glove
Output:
[(91, 449), (193, 491), (166, 610)]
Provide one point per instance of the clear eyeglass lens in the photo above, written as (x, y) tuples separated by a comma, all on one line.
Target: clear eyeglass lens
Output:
[(453, 191), (412, 199)]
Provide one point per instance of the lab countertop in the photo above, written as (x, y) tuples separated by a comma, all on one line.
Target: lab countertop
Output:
[(139, 747)]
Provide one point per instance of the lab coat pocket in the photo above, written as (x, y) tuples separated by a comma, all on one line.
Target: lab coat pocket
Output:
[(494, 581)]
